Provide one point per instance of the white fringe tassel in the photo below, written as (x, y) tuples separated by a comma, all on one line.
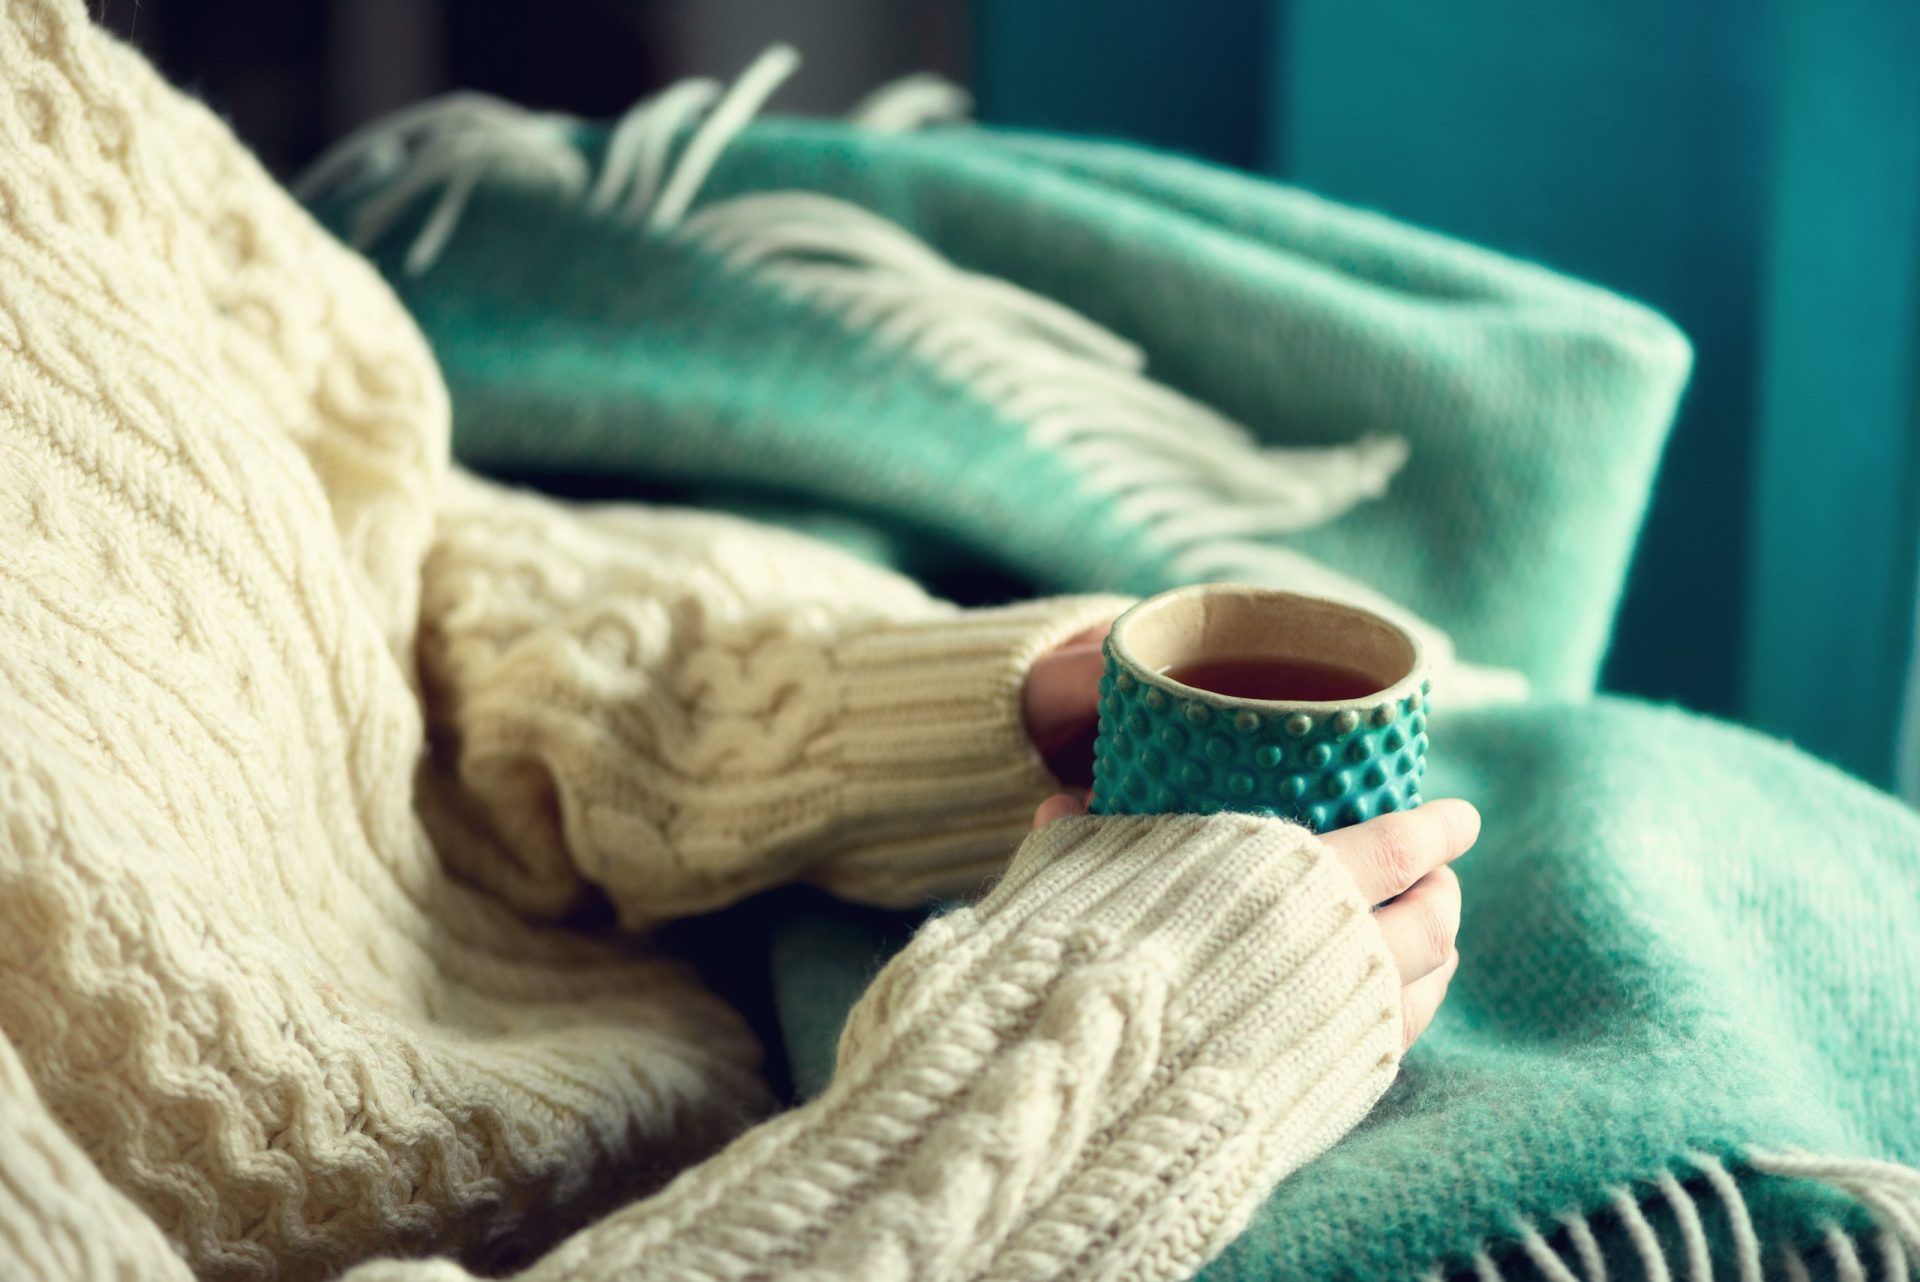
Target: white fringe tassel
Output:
[(1544, 1257), (1653, 1262), (1171, 464), (453, 142), (1199, 483), (1888, 1191), (913, 102), (449, 143), (1586, 1246)]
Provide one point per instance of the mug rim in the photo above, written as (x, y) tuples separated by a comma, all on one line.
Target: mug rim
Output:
[(1414, 678)]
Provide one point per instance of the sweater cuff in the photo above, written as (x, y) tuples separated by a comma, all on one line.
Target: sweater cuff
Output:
[(937, 776), (1259, 932), (1144, 1027), (1101, 1070), (1218, 999)]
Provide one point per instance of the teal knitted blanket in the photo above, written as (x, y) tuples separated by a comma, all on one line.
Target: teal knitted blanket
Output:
[(1683, 1036)]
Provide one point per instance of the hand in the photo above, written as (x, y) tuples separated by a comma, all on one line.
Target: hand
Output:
[(1401, 864), (1061, 701)]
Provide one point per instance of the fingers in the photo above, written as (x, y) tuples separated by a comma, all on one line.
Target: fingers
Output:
[(1059, 806), (1401, 858), (1420, 1000), (1389, 854), (1420, 926), (1061, 704), (1062, 693)]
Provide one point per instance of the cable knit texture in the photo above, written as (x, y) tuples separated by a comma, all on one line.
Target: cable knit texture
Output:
[(298, 731)]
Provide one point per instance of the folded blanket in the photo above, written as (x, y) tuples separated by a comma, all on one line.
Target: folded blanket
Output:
[(833, 317), (1688, 951)]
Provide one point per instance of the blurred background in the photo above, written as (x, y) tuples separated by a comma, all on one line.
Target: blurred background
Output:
[(1749, 167)]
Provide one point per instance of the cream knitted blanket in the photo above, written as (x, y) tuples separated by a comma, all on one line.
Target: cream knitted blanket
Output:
[(298, 727)]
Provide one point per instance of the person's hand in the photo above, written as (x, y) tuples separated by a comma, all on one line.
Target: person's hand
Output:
[(1061, 701), (1400, 862)]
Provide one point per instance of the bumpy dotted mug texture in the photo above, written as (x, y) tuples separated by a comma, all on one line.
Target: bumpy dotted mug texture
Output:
[(1164, 746)]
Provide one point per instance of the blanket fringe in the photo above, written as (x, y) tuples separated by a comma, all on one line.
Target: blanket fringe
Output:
[(1586, 1246), (913, 102), (448, 143), (1888, 1191), (1196, 479), (1206, 492), (1168, 462)]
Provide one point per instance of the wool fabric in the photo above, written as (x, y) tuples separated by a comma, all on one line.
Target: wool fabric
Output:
[(1689, 949), (1686, 950), (301, 728), (1090, 366)]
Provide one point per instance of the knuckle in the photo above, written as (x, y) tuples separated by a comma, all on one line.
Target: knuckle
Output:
[(1397, 857), (1436, 933)]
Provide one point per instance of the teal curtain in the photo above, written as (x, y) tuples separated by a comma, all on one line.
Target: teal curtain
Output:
[(1750, 167), (1831, 606)]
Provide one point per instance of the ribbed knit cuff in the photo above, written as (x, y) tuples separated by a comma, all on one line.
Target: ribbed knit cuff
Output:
[(1223, 908), (937, 776), (1218, 998), (1100, 1070)]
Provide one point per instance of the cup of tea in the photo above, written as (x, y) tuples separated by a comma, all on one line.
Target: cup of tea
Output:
[(1226, 696)]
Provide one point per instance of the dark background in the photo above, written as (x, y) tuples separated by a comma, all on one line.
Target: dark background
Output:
[(294, 75)]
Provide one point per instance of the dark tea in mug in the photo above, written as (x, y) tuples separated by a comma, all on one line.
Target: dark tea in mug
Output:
[(1284, 680)]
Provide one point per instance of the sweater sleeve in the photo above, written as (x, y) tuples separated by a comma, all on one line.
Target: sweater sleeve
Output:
[(1099, 1071), (59, 1217), (682, 708)]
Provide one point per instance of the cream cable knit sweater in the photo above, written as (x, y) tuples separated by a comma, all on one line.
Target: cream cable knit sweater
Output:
[(298, 729)]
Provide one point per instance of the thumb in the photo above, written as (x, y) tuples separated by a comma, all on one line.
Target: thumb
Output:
[(1059, 806)]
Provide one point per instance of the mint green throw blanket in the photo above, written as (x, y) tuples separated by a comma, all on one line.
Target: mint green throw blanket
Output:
[(1533, 408), (1690, 954), (1684, 947)]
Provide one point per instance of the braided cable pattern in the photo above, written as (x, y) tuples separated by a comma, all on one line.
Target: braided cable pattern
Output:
[(1098, 1072), (682, 708), (277, 687), (230, 964)]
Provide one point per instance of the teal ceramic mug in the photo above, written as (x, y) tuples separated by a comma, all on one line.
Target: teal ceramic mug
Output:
[(1231, 697)]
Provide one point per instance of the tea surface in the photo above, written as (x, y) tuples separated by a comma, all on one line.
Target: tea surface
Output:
[(1285, 680)]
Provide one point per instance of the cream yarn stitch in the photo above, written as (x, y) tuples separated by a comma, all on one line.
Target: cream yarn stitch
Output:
[(298, 728)]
